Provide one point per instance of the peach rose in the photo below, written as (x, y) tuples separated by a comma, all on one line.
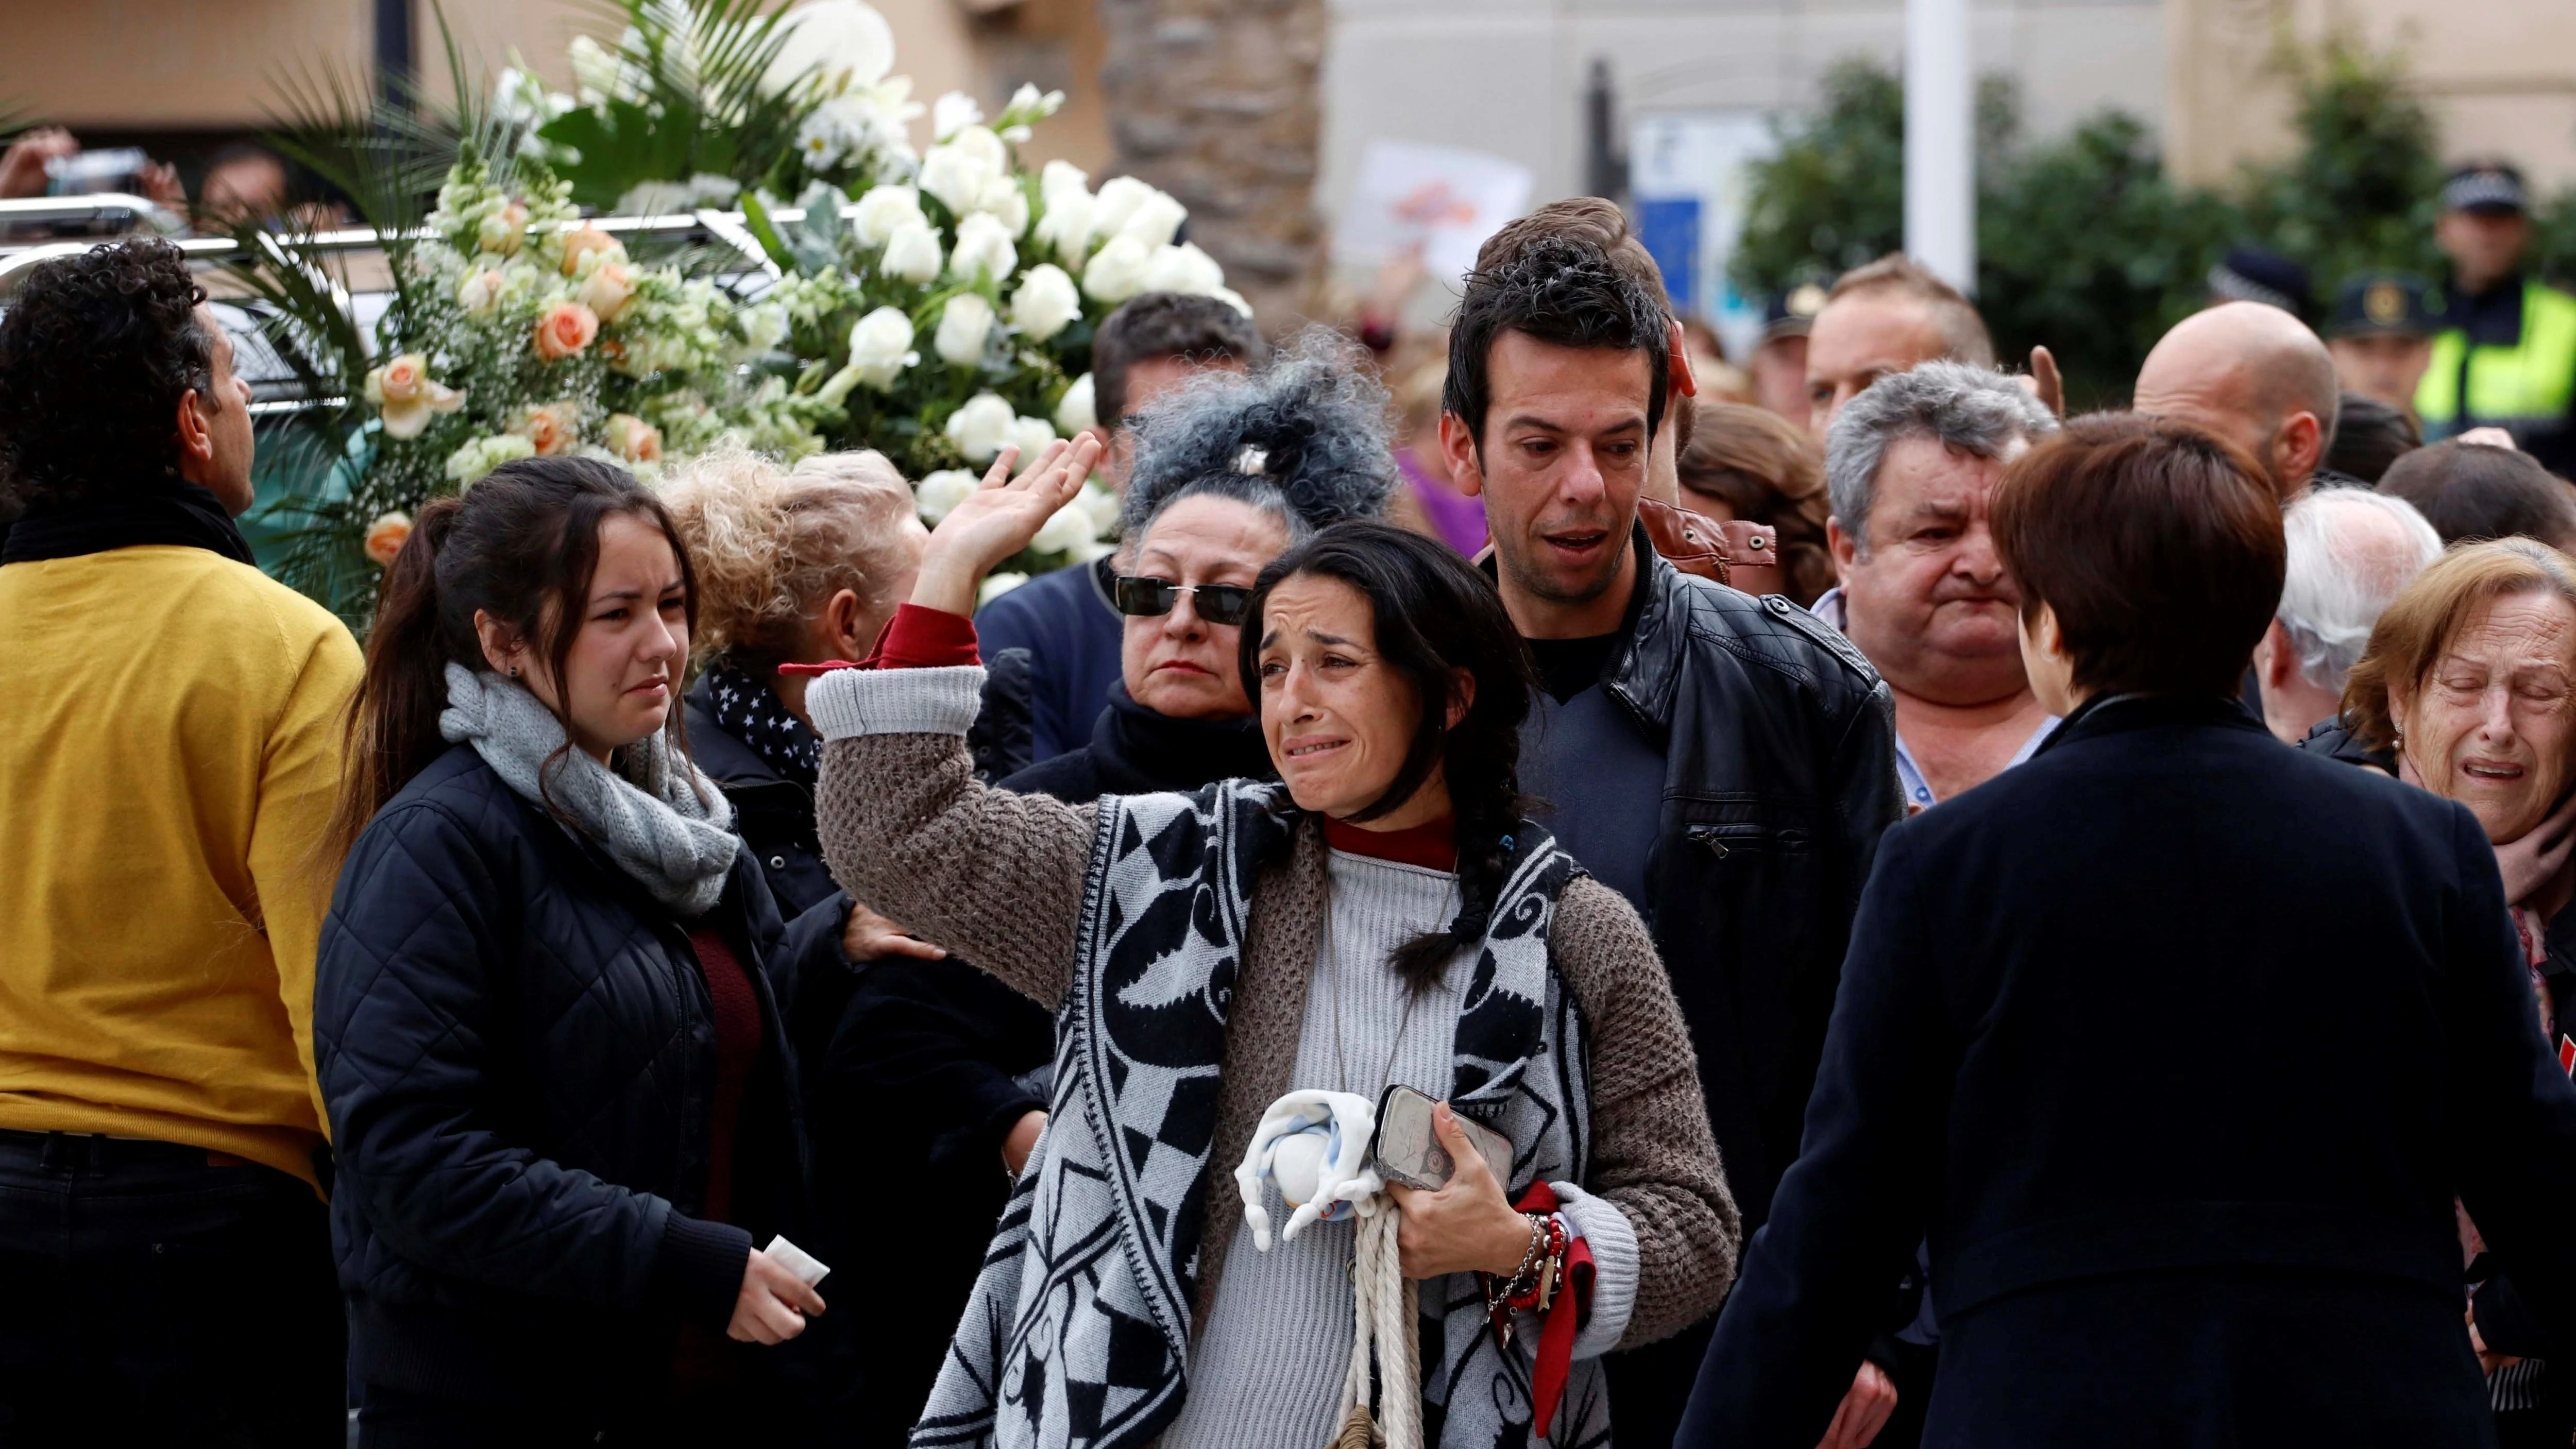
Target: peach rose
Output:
[(402, 377), (588, 239), (606, 290), (553, 429), (565, 329), (385, 538), (634, 439)]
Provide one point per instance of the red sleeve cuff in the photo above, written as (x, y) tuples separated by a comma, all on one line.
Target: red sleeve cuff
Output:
[(919, 638)]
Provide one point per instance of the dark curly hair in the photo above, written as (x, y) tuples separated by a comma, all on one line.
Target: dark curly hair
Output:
[(93, 359), (1433, 615), (1561, 290), (1316, 418)]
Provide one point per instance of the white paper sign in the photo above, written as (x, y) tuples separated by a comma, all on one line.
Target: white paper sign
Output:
[(1440, 198)]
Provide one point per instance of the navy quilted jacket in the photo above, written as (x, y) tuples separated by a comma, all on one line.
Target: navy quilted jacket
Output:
[(517, 1052)]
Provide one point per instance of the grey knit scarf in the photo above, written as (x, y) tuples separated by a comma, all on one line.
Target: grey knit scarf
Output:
[(676, 840)]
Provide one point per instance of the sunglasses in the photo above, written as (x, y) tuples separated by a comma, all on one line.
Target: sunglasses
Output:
[(1153, 598)]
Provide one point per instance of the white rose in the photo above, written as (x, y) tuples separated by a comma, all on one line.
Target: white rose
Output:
[(1184, 269), (985, 147), (963, 325), (1046, 302), (955, 176), (1155, 221), (912, 254), (1232, 298), (1060, 177), (997, 585), (980, 426), (1005, 202), (883, 210), (1103, 506), (953, 113), (1119, 197), (1069, 528), (1074, 413), (1032, 435), (840, 43), (1066, 227), (983, 247), (881, 346), (1117, 271), (937, 494), (480, 292)]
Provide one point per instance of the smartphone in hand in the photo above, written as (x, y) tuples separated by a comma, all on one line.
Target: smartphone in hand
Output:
[(1408, 1151)]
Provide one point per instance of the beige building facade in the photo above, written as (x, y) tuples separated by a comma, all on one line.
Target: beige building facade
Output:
[(2500, 75)]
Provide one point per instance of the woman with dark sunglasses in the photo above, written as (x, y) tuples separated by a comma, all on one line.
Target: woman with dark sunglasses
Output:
[(1230, 473)]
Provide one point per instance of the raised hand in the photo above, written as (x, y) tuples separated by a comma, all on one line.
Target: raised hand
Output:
[(997, 520)]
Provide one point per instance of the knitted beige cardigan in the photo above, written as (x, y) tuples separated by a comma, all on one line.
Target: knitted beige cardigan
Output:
[(997, 878)]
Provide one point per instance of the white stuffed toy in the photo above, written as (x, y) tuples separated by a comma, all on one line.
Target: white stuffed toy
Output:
[(1314, 1145)]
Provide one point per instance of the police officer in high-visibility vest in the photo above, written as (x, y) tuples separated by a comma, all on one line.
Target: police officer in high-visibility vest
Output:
[(2506, 353)]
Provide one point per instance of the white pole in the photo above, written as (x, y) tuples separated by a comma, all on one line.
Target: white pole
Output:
[(1940, 141)]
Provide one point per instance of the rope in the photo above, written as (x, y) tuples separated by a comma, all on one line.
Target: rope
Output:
[(1384, 1319)]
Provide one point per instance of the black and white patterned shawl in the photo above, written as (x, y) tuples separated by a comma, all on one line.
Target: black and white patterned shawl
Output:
[(1077, 1334)]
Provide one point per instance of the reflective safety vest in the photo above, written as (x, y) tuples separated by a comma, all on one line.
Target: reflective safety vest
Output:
[(2529, 383)]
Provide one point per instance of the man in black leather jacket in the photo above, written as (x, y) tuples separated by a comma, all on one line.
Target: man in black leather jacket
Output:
[(1726, 762)]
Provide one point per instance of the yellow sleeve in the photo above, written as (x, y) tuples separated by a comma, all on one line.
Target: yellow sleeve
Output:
[(299, 784)]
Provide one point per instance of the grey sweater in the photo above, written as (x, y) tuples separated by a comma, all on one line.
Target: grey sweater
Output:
[(998, 879)]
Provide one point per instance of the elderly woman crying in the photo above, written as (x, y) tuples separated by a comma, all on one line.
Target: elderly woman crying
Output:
[(1383, 916), (2468, 690)]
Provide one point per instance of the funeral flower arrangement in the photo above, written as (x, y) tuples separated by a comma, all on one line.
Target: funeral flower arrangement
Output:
[(526, 332), (935, 305)]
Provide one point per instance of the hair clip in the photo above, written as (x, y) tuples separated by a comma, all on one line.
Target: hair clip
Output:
[(1507, 842)]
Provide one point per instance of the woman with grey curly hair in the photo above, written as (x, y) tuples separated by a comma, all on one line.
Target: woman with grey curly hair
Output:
[(1231, 471)]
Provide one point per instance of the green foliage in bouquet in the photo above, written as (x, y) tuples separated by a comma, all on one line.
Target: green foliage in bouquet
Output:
[(698, 100)]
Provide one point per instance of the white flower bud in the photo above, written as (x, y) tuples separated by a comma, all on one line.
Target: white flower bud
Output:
[(938, 494), (881, 346), (1046, 302), (1155, 221), (1117, 271), (980, 426), (912, 254), (1184, 269), (1074, 412), (884, 209), (983, 249), (963, 325)]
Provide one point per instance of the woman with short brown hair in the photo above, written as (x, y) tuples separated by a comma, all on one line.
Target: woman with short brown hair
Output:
[(2178, 1043)]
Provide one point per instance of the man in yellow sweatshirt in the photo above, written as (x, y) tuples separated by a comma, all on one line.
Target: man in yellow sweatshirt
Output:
[(170, 752)]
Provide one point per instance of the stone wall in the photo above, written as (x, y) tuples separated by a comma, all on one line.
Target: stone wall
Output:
[(1216, 102)]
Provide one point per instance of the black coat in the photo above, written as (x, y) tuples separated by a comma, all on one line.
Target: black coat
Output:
[(1779, 748), (773, 814), (2179, 1044), (1135, 751), (518, 1054)]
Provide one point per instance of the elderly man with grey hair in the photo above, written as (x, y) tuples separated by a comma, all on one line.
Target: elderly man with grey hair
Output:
[(1909, 466), (2351, 551)]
